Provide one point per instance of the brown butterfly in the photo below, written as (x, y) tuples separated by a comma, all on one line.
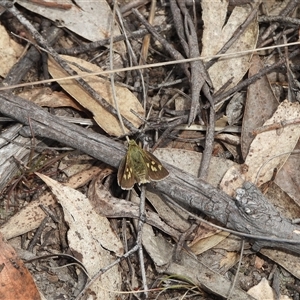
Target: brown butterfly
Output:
[(139, 166)]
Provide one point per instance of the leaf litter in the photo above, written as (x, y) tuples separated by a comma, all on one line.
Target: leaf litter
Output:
[(267, 151)]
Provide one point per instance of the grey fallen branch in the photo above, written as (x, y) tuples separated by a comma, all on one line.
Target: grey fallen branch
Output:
[(248, 215)]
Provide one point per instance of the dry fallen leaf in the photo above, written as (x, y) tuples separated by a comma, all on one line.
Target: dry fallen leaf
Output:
[(263, 291), (16, 281), (127, 101), (90, 238), (31, 216), (189, 161), (89, 19), (46, 97), (288, 178), (288, 261), (201, 245), (229, 260), (268, 151), (8, 55), (259, 262), (216, 33)]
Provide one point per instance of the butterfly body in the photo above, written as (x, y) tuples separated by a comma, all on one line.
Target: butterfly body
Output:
[(139, 166)]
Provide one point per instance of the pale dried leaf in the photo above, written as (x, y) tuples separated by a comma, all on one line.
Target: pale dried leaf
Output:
[(285, 205), (229, 260), (288, 178), (262, 291), (79, 213), (216, 33), (28, 218), (225, 255), (232, 244), (90, 238), (205, 244), (270, 149), (161, 252), (74, 163), (259, 262), (89, 19), (10, 52), (288, 261), (173, 216), (31, 216), (233, 179), (154, 245), (46, 97), (126, 100), (107, 205), (203, 231), (189, 161)]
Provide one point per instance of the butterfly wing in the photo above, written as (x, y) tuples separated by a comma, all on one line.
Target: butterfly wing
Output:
[(125, 176), (139, 166), (156, 171)]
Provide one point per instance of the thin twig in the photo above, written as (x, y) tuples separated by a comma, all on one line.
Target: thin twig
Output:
[(112, 75), (139, 240)]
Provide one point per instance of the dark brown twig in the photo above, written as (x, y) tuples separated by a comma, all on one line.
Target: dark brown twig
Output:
[(94, 45), (290, 7), (281, 19), (171, 50), (38, 233), (209, 143), (188, 37)]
